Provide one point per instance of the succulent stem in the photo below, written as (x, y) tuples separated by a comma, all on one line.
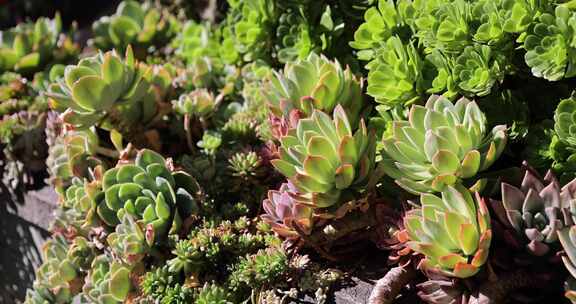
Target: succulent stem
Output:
[(387, 288), (188, 133)]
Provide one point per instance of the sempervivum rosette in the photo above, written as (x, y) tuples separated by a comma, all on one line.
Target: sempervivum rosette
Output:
[(440, 144)]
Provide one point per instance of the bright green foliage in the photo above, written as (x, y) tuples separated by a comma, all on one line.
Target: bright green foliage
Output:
[(538, 209), (380, 23), (107, 90), (245, 165), (315, 83), (198, 103), (147, 198), (107, 282), (564, 122), (260, 269), (199, 40), (476, 71), (395, 75), (452, 232), (139, 25), (213, 294), (324, 156), (28, 46), (157, 281), (550, 45), (210, 142), (249, 30), (440, 144)]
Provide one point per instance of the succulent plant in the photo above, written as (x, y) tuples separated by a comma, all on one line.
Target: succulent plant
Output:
[(146, 197), (107, 282), (213, 294), (108, 91), (134, 24), (440, 144), (380, 23), (324, 156), (452, 232), (395, 74), (248, 31), (315, 83), (567, 237), (199, 103), (549, 45), (58, 275), (27, 47), (199, 41), (564, 123), (537, 209), (283, 211), (477, 70)]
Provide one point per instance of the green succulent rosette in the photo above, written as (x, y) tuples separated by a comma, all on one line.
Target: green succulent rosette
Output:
[(198, 41), (315, 83), (139, 25), (440, 144), (380, 23), (452, 231), (565, 122), (395, 74), (29, 46), (549, 45), (198, 103), (108, 91), (149, 192), (58, 279), (107, 282), (477, 70), (323, 156)]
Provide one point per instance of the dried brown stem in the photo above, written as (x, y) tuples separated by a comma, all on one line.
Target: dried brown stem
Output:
[(387, 288)]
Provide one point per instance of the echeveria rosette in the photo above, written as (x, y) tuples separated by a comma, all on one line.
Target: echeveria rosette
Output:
[(538, 209), (58, 278), (106, 90), (154, 198), (440, 144), (565, 121), (315, 83), (567, 237), (107, 281), (139, 25), (451, 231), (477, 70), (323, 156), (283, 211), (395, 74), (29, 46), (550, 45)]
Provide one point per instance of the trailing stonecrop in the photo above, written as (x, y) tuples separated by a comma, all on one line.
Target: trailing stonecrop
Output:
[(452, 231), (441, 144), (139, 25), (110, 92)]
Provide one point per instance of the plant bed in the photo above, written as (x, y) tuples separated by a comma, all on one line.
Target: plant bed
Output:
[(271, 152)]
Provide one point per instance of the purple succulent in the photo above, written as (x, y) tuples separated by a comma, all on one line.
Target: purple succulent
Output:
[(284, 211), (537, 209)]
